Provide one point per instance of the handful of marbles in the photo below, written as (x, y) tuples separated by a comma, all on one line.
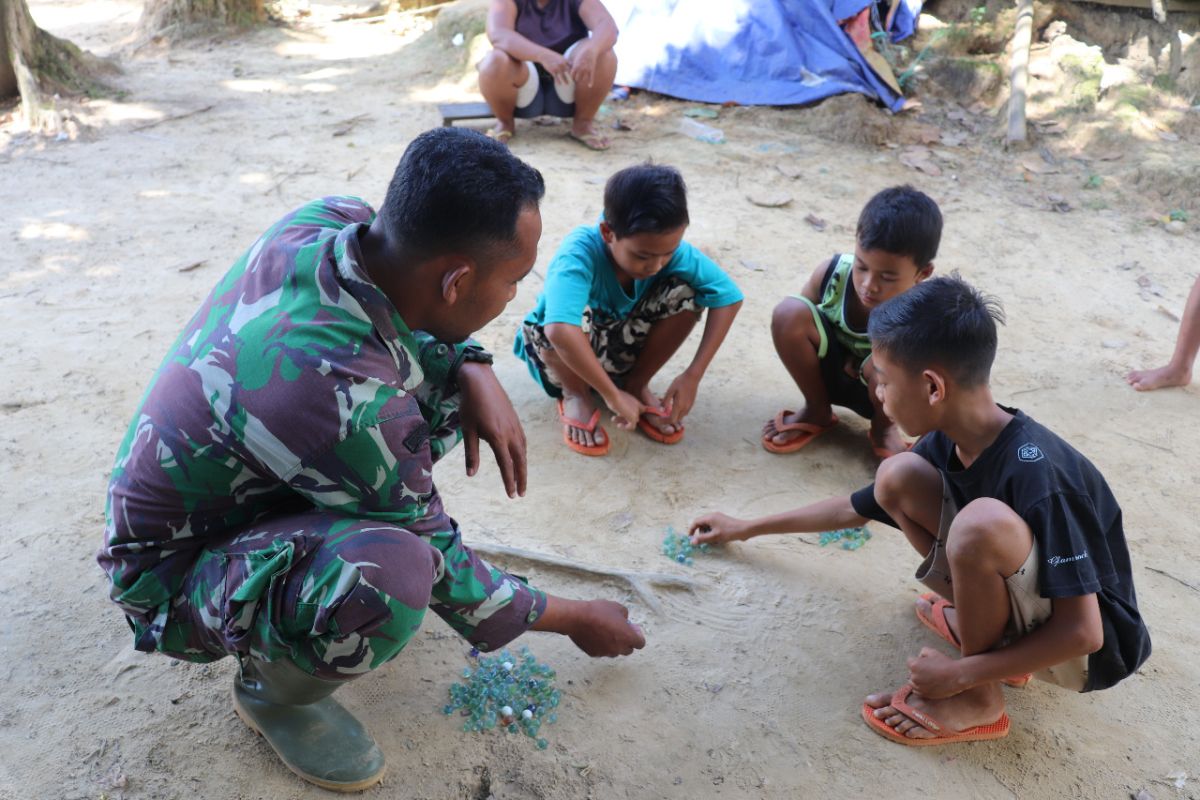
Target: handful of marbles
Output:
[(850, 538), (679, 548), (514, 694)]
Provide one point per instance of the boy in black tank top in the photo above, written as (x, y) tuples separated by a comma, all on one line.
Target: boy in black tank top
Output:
[(1022, 539)]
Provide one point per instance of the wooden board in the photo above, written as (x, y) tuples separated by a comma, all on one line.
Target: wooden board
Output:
[(1180, 6), (453, 112)]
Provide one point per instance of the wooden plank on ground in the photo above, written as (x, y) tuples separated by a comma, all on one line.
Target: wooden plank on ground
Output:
[(1179, 6), (454, 112)]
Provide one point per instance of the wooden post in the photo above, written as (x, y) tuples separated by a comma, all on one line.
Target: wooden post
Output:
[(1019, 73)]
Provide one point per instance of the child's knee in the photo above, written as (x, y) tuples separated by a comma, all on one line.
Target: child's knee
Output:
[(792, 317), (901, 476), (984, 529), (497, 63)]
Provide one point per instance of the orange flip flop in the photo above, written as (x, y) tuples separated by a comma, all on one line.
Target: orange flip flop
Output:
[(980, 733), (654, 433), (882, 452), (936, 622), (591, 426), (808, 430)]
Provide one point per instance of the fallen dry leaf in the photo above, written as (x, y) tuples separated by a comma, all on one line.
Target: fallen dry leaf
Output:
[(920, 159), (1036, 165), (769, 199), (789, 171)]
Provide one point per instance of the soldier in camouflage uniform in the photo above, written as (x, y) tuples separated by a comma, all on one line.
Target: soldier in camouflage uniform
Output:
[(273, 498)]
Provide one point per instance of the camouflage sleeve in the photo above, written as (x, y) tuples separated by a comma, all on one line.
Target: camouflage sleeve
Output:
[(487, 606), (438, 393), (379, 472)]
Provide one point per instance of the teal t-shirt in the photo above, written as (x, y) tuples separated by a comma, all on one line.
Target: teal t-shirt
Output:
[(582, 276)]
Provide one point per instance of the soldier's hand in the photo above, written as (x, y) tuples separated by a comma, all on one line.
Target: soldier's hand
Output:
[(602, 629), (488, 414)]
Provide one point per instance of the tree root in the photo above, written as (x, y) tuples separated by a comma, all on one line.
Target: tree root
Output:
[(640, 582)]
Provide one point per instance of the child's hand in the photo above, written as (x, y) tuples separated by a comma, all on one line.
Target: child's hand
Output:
[(717, 528), (681, 396), (934, 674), (626, 409)]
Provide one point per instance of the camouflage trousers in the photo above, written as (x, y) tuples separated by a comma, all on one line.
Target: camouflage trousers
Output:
[(337, 596), (617, 342)]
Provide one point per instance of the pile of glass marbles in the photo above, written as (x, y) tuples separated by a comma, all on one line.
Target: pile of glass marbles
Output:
[(850, 538), (678, 547), (515, 695)]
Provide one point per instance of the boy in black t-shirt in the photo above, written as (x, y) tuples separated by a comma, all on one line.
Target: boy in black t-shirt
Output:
[(1022, 538)]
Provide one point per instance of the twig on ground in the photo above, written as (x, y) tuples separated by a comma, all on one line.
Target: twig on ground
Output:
[(1144, 443), (640, 582), (279, 183), (173, 117), (192, 266), (1191, 586), (347, 125)]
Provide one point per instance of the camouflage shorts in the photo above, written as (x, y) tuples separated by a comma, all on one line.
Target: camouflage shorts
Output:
[(337, 596), (617, 342)]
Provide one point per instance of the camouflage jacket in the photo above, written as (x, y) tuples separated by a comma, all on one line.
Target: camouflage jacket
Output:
[(296, 385)]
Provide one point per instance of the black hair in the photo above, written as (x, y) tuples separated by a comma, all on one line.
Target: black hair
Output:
[(455, 188), (648, 198), (942, 322), (903, 221)]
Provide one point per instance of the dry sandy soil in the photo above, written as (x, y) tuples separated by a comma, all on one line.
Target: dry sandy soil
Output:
[(750, 685)]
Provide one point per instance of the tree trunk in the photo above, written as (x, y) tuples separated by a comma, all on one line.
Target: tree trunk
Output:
[(178, 18), (35, 65)]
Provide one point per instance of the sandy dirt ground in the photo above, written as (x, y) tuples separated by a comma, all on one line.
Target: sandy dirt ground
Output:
[(751, 684)]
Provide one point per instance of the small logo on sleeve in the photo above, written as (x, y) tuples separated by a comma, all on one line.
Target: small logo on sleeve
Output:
[(1030, 452), (1055, 561)]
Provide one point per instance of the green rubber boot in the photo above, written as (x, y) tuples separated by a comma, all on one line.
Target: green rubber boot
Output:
[(310, 731)]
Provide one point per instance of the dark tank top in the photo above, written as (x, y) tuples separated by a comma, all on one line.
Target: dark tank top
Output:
[(556, 27)]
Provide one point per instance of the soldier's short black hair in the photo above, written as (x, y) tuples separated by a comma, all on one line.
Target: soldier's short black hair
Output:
[(942, 322), (647, 198), (455, 188), (903, 221)]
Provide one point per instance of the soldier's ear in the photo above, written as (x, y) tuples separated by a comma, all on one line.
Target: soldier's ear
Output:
[(454, 282)]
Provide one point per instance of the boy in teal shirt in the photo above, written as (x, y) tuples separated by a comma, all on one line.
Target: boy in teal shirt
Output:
[(821, 333), (620, 298)]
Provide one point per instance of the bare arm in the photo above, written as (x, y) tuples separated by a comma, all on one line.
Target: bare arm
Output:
[(1074, 629), (502, 33), (824, 515), (812, 287), (599, 23), (715, 327), (572, 346), (681, 394)]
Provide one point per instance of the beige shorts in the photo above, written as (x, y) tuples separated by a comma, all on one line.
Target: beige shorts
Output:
[(1027, 608)]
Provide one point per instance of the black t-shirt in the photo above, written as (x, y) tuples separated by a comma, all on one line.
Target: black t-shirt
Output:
[(1074, 517)]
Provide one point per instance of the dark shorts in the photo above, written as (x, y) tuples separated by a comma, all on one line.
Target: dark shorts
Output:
[(617, 342), (546, 103), (841, 373)]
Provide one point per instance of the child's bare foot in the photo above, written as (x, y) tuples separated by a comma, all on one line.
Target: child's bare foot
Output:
[(981, 705), (803, 415), (585, 132), (502, 133), (651, 401), (580, 408), (1147, 380), (885, 438)]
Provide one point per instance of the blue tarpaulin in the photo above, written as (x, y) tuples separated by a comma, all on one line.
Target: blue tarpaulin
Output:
[(752, 52)]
